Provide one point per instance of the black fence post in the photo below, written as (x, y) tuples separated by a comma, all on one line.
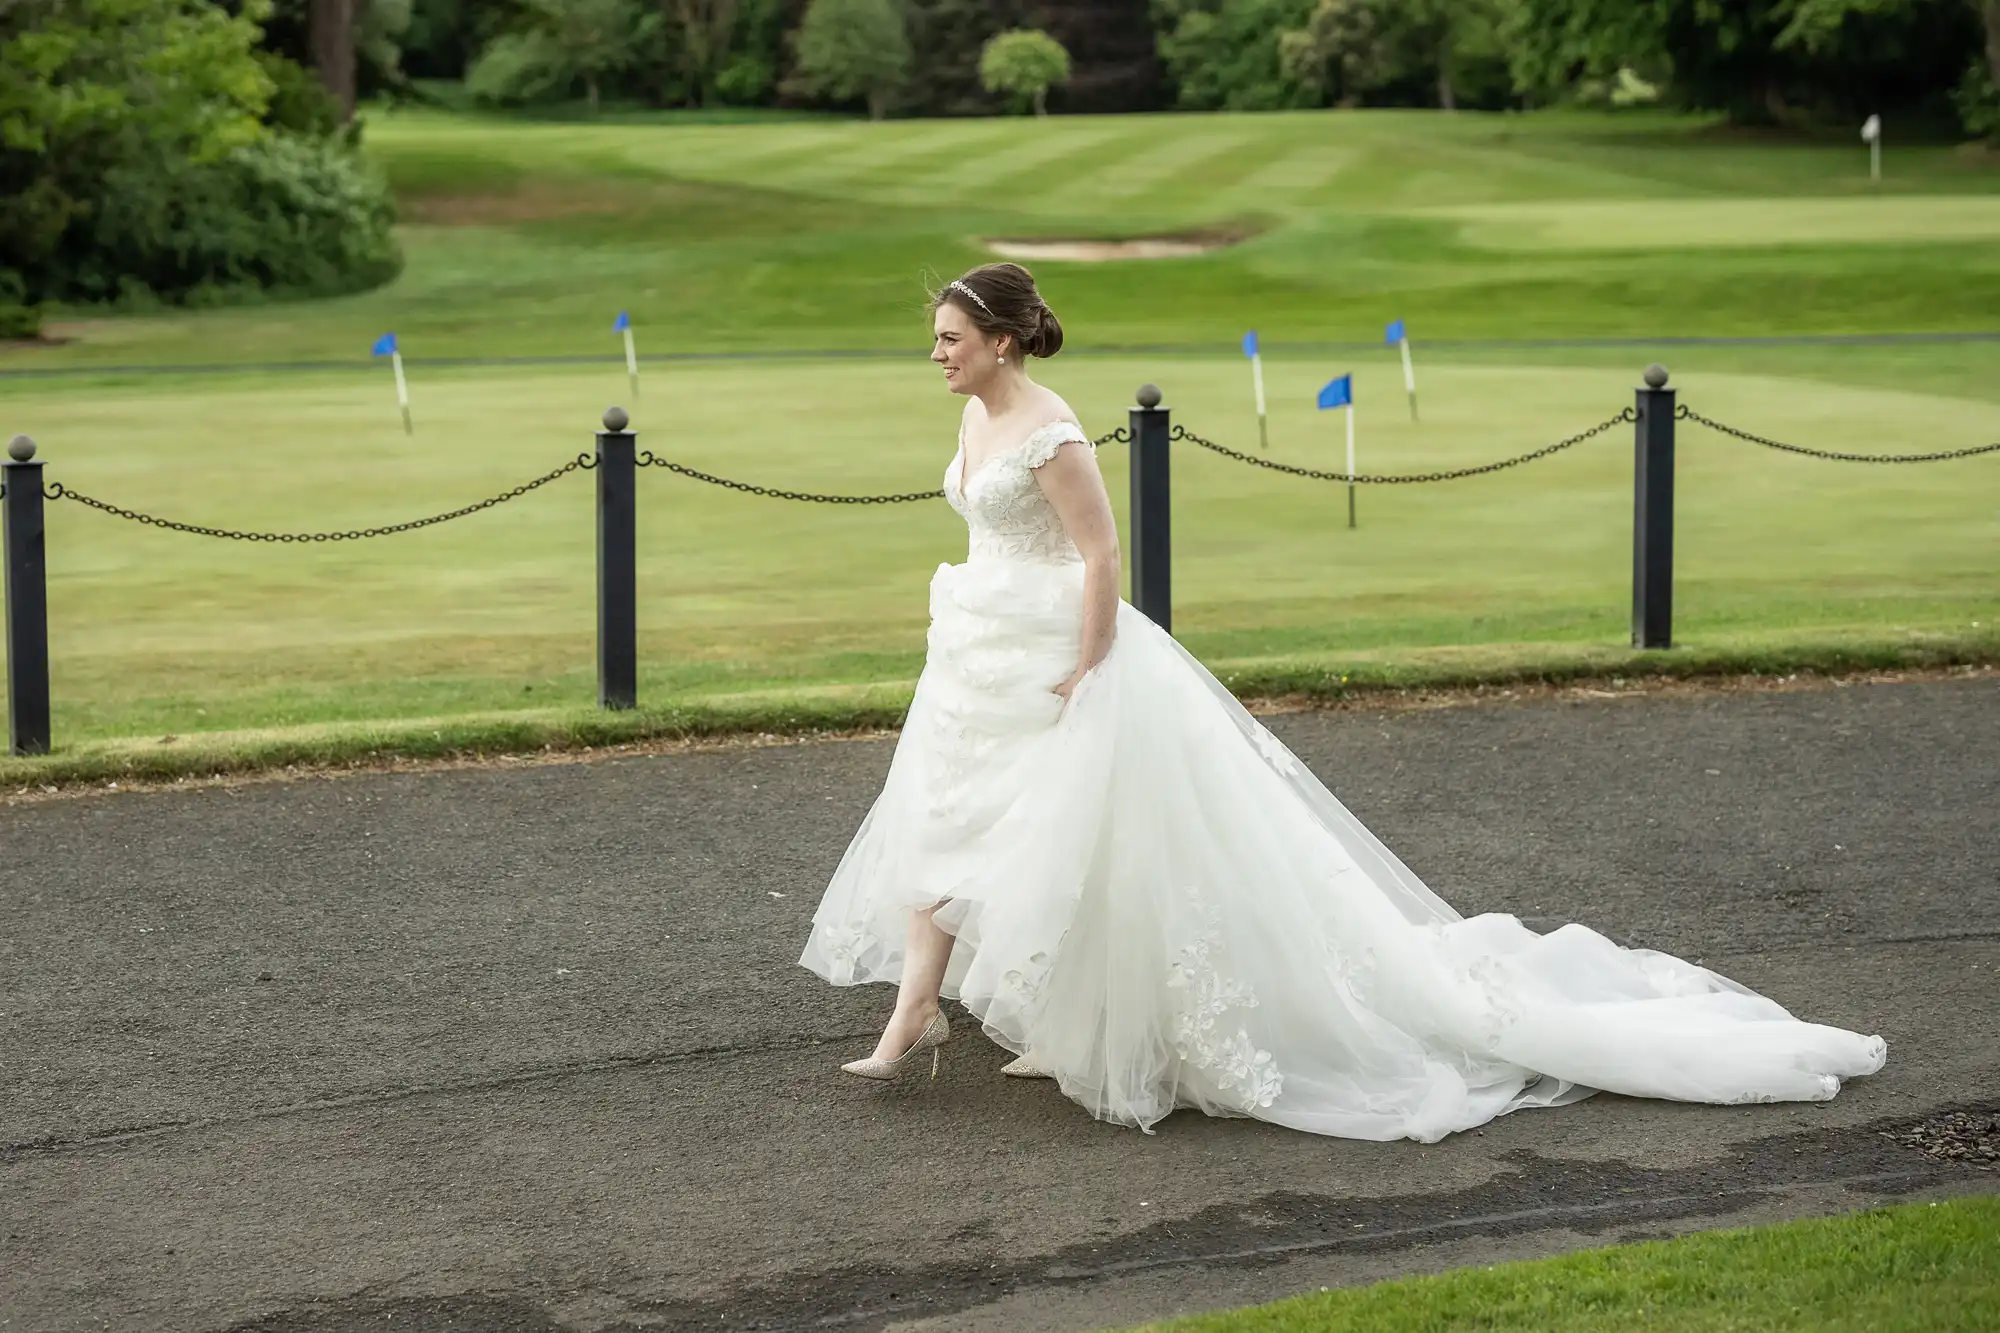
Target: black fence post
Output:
[(617, 564), (23, 537), (1653, 514), (1152, 540)]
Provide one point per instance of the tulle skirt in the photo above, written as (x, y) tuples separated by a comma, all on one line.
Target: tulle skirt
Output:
[(1151, 894)]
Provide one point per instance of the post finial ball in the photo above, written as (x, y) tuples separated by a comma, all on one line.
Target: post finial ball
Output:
[(1656, 376), (1149, 396), (20, 448), (616, 419)]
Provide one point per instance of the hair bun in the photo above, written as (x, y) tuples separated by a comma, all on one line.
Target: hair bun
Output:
[(1048, 336)]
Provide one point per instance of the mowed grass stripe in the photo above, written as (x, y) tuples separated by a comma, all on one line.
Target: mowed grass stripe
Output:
[(1651, 224), (1037, 164), (1299, 171), (1173, 166), (887, 158), (738, 154)]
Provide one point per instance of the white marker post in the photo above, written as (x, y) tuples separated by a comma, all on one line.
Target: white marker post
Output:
[(1871, 134), (402, 389), (1254, 351), (1410, 379), (386, 345), (623, 324), (1399, 334), (1350, 462), (1340, 393)]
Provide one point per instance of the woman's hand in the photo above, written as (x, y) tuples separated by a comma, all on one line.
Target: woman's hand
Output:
[(1068, 687)]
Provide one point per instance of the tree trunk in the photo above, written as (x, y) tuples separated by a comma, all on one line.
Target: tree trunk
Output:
[(1042, 96), (1446, 100), (590, 91), (877, 103), (331, 36)]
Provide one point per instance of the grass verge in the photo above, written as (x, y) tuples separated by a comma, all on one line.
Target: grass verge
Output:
[(1926, 1266), (833, 710)]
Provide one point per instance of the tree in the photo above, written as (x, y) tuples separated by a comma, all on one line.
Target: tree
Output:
[(1376, 44), (854, 48), (593, 38), (1817, 27), (1022, 64), (1774, 61), (1990, 13), (705, 28), (562, 42), (1226, 54)]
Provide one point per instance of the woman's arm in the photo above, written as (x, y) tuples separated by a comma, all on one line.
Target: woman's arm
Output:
[(1076, 489)]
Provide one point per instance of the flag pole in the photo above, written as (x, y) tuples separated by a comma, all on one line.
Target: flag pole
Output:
[(402, 388), (1257, 378), (631, 361), (1409, 378), (1350, 463)]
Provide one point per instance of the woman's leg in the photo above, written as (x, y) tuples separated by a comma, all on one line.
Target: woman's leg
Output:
[(924, 959)]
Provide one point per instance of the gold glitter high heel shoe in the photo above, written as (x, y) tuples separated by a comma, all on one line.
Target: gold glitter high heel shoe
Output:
[(932, 1039)]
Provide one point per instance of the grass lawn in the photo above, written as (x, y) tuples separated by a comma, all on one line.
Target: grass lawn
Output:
[(524, 239), (1921, 1268)]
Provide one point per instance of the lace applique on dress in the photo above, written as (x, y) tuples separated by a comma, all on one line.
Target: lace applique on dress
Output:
[(1003, 506), (1231, 1059)]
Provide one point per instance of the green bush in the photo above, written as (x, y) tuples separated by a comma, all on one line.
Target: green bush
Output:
[(1978, 102), (285, 214), (300, 103), (18, 319)]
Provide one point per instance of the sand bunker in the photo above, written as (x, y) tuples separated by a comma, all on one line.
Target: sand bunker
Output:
[(1142, 247)]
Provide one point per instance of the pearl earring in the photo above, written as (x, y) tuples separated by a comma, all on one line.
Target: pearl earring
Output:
[(1003, 360)]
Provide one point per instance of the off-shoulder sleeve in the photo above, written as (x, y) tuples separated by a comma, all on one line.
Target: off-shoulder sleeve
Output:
[(1043, 445)]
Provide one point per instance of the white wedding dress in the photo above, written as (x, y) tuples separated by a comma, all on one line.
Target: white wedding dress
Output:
[(1157, 900)]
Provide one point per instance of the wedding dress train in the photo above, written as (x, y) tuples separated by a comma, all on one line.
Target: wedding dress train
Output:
[(1152, 895)]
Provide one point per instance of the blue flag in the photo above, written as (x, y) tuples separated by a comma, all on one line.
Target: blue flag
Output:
[(622, 323), (1395, 334), (385, 344), (1250, 343), (1337, 393)]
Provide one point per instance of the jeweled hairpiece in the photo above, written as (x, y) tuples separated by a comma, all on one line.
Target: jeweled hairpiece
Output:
[(956, 285)]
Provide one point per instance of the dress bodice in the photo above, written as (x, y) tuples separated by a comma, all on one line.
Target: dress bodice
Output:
[(1003, 506)]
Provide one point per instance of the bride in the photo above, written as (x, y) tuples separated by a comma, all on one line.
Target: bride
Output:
[(1138, 890)]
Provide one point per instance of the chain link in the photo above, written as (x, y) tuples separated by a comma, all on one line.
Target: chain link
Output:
[(58, 491), (1685, 413), (1392, 478), (647, 458)]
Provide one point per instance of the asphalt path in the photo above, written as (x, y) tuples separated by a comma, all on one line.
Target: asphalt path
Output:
[(525, 1047)]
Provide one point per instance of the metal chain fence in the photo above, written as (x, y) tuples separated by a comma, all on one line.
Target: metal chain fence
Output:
[(647, 458), (57, 491), (1689, 414), (1390, 478)]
